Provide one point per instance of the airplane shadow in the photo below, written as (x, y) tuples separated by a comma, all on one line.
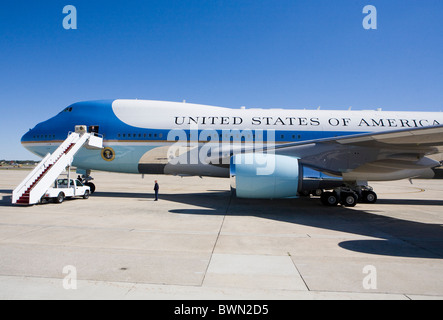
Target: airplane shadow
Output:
[(395, 237)]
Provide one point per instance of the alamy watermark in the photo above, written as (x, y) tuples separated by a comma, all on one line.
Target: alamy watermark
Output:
[(216, 147), (70, 280), (70, 20), (370, 20), (370, 280)]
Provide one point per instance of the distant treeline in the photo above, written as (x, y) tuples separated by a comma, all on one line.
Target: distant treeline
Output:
[(19, 162)]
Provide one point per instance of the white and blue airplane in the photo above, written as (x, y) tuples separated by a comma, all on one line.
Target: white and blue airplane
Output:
[(267, 153)]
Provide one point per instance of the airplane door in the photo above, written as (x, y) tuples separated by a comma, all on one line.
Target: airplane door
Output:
[(93, 129)]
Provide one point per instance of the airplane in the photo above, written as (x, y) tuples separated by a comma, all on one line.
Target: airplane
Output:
[(267, 153)]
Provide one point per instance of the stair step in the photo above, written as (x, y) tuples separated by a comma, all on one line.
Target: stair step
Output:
[(70, 146)]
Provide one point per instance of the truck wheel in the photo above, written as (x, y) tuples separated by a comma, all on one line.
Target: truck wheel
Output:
[(60, 197), (86, 195)]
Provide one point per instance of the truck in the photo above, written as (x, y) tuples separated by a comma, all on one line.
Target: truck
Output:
[(66, 188)]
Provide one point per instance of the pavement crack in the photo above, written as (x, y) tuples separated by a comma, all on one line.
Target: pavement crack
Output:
[(216, 240)]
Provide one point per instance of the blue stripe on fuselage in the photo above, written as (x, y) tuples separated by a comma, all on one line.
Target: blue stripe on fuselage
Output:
[(112, 128), (51, 132), (81, 113)]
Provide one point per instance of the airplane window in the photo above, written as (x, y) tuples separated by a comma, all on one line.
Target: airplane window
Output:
[(124, 135), (160, 135)]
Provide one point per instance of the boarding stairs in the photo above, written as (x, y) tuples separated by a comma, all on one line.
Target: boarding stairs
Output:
[(34, 186)]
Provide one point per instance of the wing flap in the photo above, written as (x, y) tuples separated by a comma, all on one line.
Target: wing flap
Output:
[(416, 137)]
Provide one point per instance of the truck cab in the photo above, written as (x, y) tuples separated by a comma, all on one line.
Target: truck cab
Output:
[(67, 188)]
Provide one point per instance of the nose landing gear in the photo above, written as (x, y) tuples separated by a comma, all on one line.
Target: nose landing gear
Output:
[(86, 179)]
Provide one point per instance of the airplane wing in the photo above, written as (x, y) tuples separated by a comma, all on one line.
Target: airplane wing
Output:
[(388, 150), (415, 138), (392, 150)]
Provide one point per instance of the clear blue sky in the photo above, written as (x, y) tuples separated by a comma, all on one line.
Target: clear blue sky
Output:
[(254, 53)]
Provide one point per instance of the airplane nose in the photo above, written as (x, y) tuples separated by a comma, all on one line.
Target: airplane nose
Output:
[(26, 136), (27, 142), (26, 139)]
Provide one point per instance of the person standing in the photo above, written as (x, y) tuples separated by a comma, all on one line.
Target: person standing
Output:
[(156, 187)]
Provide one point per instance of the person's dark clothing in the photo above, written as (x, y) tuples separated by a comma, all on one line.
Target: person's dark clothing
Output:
[(156, 188)]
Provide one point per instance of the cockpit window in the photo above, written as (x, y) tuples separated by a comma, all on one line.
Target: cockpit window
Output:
[(68, 109)]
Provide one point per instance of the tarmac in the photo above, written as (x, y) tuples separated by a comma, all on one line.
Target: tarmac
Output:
[(199, 243)]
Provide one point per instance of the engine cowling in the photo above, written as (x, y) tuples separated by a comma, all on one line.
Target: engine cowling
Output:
[(270, 176)]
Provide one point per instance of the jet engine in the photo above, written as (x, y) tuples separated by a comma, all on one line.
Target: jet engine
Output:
[(271, 176)]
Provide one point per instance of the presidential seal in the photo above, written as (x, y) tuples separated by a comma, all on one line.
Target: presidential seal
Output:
[(108, 154)]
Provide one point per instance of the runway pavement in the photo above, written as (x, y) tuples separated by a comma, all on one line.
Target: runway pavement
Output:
[(198, 242)]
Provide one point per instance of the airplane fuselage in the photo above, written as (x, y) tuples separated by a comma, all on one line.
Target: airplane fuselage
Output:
[(138, 133)]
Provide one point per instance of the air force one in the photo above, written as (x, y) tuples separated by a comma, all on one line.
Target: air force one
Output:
[(267, 153)]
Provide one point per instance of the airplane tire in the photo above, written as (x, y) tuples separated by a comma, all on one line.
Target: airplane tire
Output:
[(329, 199), (91, 186), (304, 193), (369, 196), (349, 199)]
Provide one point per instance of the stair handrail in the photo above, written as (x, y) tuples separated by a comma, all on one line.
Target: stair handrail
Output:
[(26, 183), (61, 148), (65, 160), (48, 160), (80, 143), (41, 187)]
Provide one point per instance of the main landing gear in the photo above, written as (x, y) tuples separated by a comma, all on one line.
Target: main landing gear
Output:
[(348, 196), (86, 180)]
